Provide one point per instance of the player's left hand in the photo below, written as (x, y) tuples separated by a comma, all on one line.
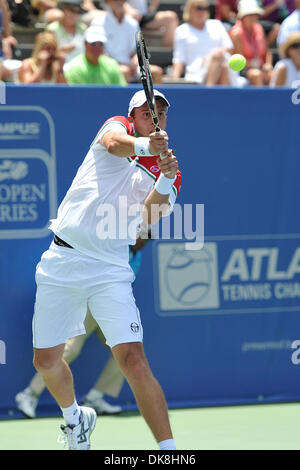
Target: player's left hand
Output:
[(169, 165)]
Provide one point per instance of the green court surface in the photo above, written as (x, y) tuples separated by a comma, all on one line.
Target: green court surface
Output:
[(250, 427)]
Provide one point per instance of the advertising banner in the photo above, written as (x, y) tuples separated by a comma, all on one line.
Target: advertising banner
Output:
[(221, 323)]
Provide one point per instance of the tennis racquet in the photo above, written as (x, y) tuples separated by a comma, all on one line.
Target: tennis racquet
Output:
[(146, 79)]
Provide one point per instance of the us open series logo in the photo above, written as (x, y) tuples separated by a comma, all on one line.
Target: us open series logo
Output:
[(27, 172)]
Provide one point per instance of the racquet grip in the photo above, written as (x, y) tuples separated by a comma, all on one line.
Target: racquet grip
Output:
[(162, 157)]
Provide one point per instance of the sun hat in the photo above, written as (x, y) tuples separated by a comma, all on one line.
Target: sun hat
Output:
[(249, 7), (292, 38)]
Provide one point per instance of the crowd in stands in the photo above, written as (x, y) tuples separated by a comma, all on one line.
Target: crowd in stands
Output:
[(93, 42)]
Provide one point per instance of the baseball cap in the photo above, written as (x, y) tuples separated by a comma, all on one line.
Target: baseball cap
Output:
[(139, 98), (94, 34)]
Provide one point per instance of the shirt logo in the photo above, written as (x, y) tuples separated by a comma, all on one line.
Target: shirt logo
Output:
[(155, 168), (134, 327)]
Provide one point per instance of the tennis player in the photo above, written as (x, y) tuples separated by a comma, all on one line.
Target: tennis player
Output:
[(121, 184)]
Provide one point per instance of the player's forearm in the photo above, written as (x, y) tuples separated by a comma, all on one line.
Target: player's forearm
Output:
[(154, 206), (124, 145), (120, 145)]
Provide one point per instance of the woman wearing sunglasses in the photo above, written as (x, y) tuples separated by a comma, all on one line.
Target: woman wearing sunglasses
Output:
[(287, 71), (69, 30)]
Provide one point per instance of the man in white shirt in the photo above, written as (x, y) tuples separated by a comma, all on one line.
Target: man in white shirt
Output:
[(120, 30), (290, 24), (201, 47), (114, 190)]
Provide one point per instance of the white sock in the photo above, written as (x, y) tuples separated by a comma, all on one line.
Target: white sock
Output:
[(71, 414), (94, 394), (168, 444)]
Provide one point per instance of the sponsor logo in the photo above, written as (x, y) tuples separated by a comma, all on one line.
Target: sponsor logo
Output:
[(296, 94), (296, 354), (24, 129), (27, 172), (2, 92), (187, 279), (134, 327), (155, 168), (222, 278), (2, 352), (13, 170)]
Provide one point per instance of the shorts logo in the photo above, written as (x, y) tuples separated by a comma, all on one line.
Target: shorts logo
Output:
[(134, 327)]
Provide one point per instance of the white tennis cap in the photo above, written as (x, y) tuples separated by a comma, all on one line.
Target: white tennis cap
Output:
[(139, 98), (95, 34)]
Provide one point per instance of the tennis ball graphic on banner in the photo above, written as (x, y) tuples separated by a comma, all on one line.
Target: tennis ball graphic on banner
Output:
[(188, 275)]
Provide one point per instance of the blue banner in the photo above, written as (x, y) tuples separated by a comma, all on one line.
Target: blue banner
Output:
[(220, 322)]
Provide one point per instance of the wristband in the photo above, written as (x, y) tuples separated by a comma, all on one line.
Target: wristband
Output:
[(164, 185), (141, 147)]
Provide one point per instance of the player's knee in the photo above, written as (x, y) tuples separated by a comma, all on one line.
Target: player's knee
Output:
[(136, 368), (44, 361), (133, 363)]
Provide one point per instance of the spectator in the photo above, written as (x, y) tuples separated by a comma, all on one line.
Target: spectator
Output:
[(45, 65), (120, 30), (249, 40), (21, 12), (92, 9), (200, 47), (93, 66), (226, 11), (69, 31), (150, 19), (290, 24), (7, 43), (48, 10), (275, 11), (7, 40), (287, 71)]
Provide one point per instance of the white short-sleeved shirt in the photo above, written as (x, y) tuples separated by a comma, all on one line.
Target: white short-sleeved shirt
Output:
[(104, 188), (120, 42), (140, 5), (64, 38), (292, 73), (192, 45), (288, 26)]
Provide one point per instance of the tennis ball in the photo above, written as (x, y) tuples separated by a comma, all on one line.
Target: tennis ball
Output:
[(237, 62)]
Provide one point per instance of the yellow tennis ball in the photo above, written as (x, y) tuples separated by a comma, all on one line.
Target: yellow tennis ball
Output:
[(237, 62)]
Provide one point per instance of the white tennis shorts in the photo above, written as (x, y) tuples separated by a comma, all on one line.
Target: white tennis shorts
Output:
[(68, 282)]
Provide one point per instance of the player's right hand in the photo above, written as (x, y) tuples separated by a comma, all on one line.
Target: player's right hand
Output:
[(158, 142)]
